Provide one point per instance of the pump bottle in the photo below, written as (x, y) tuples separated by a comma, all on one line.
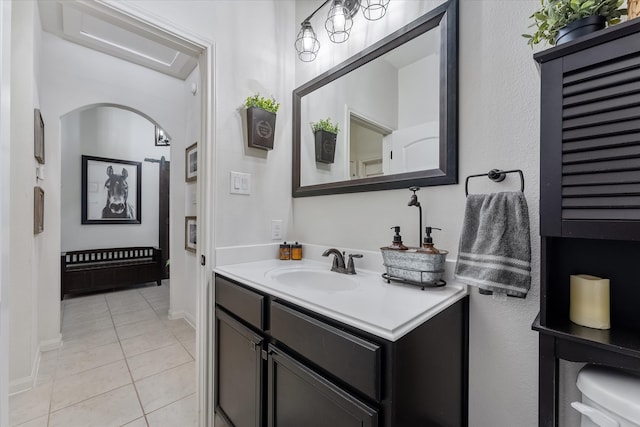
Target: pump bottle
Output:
[(427, 246), (397, 240)]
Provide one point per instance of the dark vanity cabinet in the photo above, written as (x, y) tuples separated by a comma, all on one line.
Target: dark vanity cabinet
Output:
[(589, 200), (279, 365)]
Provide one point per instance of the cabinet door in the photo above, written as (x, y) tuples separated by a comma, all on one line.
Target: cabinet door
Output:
[(300, 397), (239, 373), (590, 142)]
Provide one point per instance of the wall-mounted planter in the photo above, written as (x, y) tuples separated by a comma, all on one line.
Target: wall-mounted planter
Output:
[(261, 128), (325, 146)]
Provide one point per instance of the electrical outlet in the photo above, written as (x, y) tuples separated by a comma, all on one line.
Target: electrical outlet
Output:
[(276, 229)]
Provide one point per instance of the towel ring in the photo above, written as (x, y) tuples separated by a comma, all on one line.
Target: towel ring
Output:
[(495, 175)]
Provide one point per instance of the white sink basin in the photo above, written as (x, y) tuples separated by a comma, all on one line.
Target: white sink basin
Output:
[(313, 279)]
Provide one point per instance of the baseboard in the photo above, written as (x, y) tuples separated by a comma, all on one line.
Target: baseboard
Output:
[(26, 383), (52, 344), (181, 314)]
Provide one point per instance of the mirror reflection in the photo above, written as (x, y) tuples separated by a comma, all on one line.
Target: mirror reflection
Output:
[(395, 105), (387, 112)]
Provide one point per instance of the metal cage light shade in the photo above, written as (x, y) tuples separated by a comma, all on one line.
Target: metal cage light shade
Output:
[(374, 9), (307, 44), (339, 22)]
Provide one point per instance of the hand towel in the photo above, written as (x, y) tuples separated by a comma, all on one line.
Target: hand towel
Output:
[(495, 245)]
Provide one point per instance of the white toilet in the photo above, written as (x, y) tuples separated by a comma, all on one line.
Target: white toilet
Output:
[(610, 397)]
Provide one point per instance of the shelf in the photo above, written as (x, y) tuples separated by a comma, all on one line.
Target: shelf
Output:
[(622, 342)]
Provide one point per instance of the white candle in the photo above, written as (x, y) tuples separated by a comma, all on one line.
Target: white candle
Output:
[(589, 301)]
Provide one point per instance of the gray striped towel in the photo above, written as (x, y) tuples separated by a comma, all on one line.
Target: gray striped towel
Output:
[(495, 246)]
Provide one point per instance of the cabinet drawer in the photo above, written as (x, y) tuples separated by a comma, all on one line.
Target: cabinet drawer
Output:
[(242, 302), (344, 355)]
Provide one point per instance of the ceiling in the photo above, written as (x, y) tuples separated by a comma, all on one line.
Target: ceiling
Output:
[(98, 27)]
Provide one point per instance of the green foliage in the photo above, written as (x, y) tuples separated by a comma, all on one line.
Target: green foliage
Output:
[(325, 125), (268, 104), (556, 14)]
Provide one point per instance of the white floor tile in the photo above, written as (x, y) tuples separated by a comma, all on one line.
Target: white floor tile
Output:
[(88, 381), (38, 422), (111, 409), (88, 341), (76, 388), (134, 316), (154, 361), (167, 387), (88, 359), (29, 405), (140, 422), (143, 343), (182, 413), (130, 330)]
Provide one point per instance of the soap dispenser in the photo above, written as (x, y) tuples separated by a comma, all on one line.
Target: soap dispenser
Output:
[(397, 240), (427, 246)]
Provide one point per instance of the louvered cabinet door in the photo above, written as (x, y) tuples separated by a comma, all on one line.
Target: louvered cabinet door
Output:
[(590, 142)]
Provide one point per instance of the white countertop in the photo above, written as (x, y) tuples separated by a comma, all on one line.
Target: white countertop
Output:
[(371, 304)]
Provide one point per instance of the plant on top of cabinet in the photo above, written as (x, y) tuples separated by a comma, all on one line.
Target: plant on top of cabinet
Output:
[(325, 134), (560, 21), (261, 121)]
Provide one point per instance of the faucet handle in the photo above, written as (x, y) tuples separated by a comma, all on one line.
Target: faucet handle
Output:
[(351, 268)]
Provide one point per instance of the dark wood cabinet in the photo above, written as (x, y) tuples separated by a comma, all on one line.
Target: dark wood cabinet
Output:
[(239, 372), (298, 396), (325, 373), (589, 200)]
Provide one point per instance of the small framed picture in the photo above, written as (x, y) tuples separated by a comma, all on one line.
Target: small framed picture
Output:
[(190, 233), (191, 162), (38, 210), (111, 191), (38, 136), (162, 139)]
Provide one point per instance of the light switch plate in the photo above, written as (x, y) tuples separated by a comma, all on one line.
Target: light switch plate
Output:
[(239, 183), (276, 229)]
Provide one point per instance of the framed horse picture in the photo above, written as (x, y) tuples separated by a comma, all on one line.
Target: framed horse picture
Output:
[(111, 191)]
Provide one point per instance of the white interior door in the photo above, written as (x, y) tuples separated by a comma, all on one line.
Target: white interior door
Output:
[(412, 149)]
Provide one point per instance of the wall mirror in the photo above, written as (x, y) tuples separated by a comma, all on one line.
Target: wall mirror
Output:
[(396, 106)]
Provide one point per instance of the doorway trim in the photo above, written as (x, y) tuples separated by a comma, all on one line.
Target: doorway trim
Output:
[(5, 147), (123, 12)]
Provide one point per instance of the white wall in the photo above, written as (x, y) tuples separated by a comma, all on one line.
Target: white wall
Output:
[(251, 55), (499, 128), (5, 168), (23, 323), (184, 203), (112, 133), (419, 92)]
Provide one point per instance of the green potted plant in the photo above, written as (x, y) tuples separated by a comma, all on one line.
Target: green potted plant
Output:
[(261, 121), (325, 134), (560, 21)]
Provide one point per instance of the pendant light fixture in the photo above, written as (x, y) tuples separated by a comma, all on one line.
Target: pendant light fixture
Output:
[(339, 22), (374, 9), (307, 44)]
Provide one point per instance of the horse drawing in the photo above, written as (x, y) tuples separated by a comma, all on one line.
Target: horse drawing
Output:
[(117, 194)]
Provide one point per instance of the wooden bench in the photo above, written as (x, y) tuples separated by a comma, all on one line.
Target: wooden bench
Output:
[(101, 269)]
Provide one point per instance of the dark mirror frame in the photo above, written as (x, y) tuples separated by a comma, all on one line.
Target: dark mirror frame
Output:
[(444, 17)]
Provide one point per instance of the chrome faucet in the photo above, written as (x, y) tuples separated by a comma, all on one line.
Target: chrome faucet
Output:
[(338, 261)]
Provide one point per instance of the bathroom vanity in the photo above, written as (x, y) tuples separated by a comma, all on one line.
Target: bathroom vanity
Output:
[(303, 346)]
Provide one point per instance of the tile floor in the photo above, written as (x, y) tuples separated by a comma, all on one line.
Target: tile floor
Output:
[(122, 363)]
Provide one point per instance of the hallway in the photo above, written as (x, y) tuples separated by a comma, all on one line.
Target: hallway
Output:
[(122, 363)]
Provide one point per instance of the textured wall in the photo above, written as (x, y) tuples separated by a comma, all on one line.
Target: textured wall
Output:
[(499, 128)]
